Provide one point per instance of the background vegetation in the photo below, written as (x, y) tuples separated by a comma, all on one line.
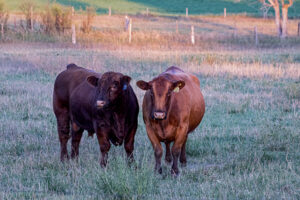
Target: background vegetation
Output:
[(166, 7), (247, 146)]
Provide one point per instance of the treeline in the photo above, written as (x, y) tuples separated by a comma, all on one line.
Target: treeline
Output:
[(52, 19)]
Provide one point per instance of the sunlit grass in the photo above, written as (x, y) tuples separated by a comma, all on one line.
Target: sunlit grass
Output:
[(247, 146)]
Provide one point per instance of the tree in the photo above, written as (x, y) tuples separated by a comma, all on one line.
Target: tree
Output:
[(280, 24), (3, 15)]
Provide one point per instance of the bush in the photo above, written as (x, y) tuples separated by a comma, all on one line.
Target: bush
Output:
[(56, 18), (3, 15), (26, 7), (87, 23)]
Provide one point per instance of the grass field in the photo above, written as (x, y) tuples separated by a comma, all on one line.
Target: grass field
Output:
[(247, 146), (166, 7)]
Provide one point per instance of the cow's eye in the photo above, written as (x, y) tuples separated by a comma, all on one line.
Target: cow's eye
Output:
[(169, 93)]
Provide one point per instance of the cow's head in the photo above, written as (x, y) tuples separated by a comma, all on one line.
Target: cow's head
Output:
[(109, 88), (160, 91)]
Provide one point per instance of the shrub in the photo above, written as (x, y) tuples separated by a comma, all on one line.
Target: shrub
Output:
[(56, 18), (26, 7), (3, 15), (87, 23)]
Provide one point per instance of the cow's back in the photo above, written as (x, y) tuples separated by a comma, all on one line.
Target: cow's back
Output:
[(190, 96), (67, 81)]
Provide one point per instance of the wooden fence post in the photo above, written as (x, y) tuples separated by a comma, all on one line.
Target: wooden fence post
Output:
[(256, 36), (176, 26), (15, 23), (31, 18), (192, 35), (225, 12), (129, 30), (186, 12), (299, 29), (2, 31), (127, 20), (73, 27), (109, 11)]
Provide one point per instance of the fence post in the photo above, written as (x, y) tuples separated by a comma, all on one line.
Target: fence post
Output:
[(109, 11), (73, 27), (15, 23), (31, 18), (147, 12), (224, 12), (176, 26), (192, 35), (256, 36), (2, 31), (126, 23), (299, 29), (186, 12), (129, 30)]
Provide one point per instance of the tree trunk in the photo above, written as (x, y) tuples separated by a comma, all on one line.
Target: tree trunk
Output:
[(284, 20), (277, 20)]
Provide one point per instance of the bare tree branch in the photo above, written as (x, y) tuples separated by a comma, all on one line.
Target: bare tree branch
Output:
[(265, 4)]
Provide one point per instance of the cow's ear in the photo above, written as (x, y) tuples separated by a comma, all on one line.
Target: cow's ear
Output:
[(92, 80), (125, 81), (178, 85), (143, 85)]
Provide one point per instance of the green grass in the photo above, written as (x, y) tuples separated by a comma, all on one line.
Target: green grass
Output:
[(169, 7), (247, 146)]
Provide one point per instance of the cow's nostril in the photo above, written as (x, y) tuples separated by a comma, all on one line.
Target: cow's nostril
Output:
[(159, 115), (100, 104)]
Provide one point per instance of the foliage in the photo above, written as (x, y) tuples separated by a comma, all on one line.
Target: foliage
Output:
[(27, 7), (247, 146), (87, 22), (56, 18), (4, 14)]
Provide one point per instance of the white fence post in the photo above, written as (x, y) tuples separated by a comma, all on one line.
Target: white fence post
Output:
[(73, 27), (186, 12), (130, 27), (225, 12), (256, 36), (192, 35)]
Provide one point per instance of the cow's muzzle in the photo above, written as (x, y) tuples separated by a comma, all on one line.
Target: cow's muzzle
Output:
[(159, 115), (100, 104)]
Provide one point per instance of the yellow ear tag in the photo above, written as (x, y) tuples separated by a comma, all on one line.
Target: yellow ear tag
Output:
[(176, 89)]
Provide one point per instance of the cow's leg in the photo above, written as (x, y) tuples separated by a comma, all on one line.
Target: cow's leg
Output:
[(76, 137), (168, 156), (158, 151), (104, 147), (181, 133), (129, 144), (63, 129), (182, 158)]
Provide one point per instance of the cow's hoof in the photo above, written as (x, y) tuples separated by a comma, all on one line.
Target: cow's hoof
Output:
[(168, 160), (64, 158), (159, 170), (174, 172), (183, 164)]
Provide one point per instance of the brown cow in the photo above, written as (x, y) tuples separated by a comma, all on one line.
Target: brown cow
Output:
[(173, 106), (105, 104)]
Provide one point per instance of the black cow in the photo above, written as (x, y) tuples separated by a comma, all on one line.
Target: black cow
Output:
[(102, 104)]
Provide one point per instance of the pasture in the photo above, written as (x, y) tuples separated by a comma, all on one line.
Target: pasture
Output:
[(247, 146), (167, 7)]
